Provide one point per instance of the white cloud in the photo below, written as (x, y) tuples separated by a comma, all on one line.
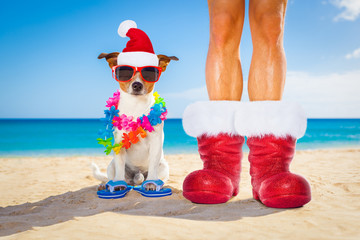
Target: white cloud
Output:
[(351, 9), (325, 96), (331, 95), (354, 54)]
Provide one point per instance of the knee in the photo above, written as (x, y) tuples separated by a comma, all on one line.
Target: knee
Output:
[(223, 30), (269, 25)]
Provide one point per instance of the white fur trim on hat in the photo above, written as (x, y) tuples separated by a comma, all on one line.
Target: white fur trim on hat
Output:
[(277, 118), (125, 26), (138, 59), (210, 118)]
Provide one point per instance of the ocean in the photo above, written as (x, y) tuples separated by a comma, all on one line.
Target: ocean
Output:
[(72, 137)]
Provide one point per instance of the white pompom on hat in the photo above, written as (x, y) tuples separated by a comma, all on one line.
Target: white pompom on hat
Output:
[(125, 26), (139, 51)]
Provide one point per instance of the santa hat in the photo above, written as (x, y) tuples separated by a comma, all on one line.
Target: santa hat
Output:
[(139, 51)]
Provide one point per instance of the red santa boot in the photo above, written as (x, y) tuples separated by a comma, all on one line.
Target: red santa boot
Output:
[(220, 149), (272, 128)]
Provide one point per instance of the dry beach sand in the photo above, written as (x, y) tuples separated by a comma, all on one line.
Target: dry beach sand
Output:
[(55, 198)]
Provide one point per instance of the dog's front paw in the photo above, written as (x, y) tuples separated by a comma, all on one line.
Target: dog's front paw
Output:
[(101, 186), (150, 187), (119, 188)]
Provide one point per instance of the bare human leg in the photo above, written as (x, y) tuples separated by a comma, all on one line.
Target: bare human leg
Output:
[(268, 63), (224, 78)]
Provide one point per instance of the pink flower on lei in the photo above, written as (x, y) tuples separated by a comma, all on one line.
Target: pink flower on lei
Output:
[(146, 124), (114, 100), (117, 122), (124, 123), (133, 126)]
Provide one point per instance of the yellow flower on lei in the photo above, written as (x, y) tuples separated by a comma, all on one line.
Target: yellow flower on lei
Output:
[(156, 95), (118, 148)]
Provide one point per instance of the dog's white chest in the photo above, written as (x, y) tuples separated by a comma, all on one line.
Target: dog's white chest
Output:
[(135, 106), (137, 156)]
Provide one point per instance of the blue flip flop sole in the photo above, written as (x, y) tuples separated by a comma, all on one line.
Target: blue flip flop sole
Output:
[(109, 192), (106, 194), (154, 194)]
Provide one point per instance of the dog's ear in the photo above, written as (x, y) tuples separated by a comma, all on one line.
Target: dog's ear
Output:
[(164, 61), (111, 58)]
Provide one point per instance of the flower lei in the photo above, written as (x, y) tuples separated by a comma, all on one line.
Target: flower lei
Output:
[(135, 129)]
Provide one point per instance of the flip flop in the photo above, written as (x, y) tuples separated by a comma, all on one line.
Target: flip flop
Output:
[(110, 193), (159, 192)]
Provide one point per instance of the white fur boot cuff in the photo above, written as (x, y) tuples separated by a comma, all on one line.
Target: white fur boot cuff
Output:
[(270, 117), (210, 118)]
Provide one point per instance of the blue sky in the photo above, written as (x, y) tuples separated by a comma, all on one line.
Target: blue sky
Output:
[(49, 66)]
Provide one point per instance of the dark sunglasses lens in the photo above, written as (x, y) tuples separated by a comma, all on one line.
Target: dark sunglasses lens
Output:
[(124, 73), (150, 74)]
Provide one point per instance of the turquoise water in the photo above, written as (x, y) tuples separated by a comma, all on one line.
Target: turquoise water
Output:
[(36, 137)]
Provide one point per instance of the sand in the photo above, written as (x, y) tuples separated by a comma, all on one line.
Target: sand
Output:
[(55, 198)]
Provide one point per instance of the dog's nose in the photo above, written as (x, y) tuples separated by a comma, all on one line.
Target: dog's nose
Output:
[(137, 87)]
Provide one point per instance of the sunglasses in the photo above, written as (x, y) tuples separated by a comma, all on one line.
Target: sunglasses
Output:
[(124, 73)]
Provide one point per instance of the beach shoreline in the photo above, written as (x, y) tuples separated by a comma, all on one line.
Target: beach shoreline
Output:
[(55, 198), (98, 153)]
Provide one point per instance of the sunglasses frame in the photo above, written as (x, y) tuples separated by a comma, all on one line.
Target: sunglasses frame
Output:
[(136, 69)]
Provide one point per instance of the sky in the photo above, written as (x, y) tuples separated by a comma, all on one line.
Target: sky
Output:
[(49, 66)]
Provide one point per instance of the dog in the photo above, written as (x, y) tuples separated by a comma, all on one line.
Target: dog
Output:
[(145, 159)]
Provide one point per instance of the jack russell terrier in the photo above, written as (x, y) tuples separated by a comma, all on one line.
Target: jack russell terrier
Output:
[(136, 69)]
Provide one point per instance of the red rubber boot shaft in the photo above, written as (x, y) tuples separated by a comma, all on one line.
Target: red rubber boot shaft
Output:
[(219, 179), (273, 184)]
